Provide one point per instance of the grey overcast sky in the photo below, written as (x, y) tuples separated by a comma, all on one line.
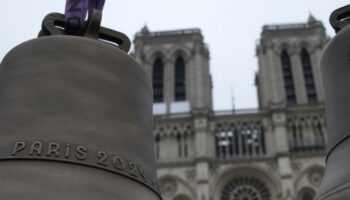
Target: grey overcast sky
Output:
[(230, 28)]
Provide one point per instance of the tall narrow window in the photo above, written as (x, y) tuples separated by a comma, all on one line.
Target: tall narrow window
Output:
[(179, 143), (262, 138), (180, 88), (158, 71), (185, 146), (308, 76), (157, 146), (288, 78)]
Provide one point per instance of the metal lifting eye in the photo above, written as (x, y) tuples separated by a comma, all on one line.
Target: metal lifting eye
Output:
[(340, 18), (54, 24)]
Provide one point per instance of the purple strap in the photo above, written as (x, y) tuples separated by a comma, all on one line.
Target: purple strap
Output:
[(76, 11)]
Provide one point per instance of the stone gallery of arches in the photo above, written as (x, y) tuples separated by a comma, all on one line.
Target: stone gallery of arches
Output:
[(273, 152)]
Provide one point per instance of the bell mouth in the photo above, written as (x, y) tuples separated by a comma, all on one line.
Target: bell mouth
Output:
[(58, 180)]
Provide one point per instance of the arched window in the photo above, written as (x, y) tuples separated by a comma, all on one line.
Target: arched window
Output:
[(158, 84), (245, 188), (288, 78), (180, 88), (308, 76)]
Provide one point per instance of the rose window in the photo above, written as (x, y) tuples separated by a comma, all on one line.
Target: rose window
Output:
[(245, 188)]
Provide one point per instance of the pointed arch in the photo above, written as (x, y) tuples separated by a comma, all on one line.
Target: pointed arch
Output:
[(156, 52), (283, 46), (307, 45), (182, 50), (288, 77), (158, 80), (180, 79), (308, 76)]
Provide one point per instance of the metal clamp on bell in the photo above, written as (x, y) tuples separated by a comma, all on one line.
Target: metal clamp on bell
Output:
[(54, 24)]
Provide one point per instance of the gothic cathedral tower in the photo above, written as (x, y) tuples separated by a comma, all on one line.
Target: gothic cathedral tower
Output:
[(289, 72), (178, 63)]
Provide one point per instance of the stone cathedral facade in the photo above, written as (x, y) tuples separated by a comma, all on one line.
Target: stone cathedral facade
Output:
[(273, 152)]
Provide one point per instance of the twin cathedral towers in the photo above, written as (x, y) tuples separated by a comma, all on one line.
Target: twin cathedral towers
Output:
[(275, 152)]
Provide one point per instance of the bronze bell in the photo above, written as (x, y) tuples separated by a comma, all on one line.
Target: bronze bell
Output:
[(76, 118), (335, 66)]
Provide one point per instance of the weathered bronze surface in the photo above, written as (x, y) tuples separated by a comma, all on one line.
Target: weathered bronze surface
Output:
[(76, 122), (335, 66)]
